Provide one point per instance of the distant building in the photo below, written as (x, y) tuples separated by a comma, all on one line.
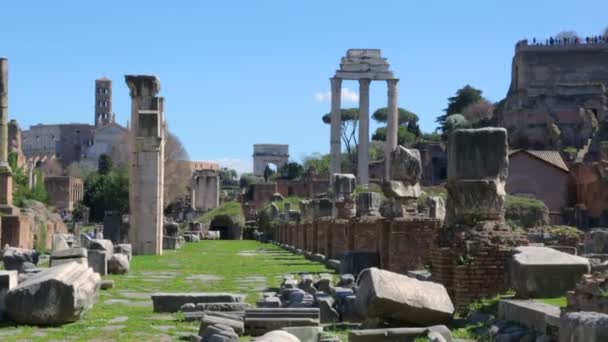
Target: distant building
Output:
[(203, 165), (542, 175), (103, 102), (78, 142), (66, 142), (64, 192), (110, 139), (558, 97)]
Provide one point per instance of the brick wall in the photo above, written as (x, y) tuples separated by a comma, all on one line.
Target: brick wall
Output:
[(308, 236), (337, 239), (411, 242), (365, 234), (472, 261), (323, 226)]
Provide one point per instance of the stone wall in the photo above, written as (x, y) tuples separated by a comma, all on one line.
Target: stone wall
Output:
[(557, 96), (64, 192), (403, 244)]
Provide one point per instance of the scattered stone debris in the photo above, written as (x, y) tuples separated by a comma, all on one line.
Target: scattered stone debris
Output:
[(172, 302), (64, 256), (541, 272), (388, 295), (107, 284), (262, 320), (58, 295), (433, 333), (119, 264), (19, 259)]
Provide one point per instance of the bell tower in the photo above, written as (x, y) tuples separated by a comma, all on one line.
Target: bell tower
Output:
[(103, 102)]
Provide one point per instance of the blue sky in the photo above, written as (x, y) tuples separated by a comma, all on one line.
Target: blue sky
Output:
[(236, 73)]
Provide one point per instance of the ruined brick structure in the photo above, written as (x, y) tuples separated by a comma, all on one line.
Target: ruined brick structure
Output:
[(259, 194), (557, 96), (64, 192), (476, 243), (403, 244)]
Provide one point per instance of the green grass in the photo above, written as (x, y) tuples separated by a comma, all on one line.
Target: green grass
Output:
[(231, 209), (559, 301), (230, 261)]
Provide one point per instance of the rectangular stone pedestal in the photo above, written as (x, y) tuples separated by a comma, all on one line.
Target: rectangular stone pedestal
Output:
[(17, 231)]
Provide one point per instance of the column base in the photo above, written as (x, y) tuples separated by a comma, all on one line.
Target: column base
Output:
[(9, 210)]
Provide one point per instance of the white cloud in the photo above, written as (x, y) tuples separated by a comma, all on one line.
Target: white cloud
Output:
[(348, 95), (240, 165)]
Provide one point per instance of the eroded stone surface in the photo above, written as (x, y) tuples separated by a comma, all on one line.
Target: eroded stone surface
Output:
[(542, 272), (388, 295), (58, 295)]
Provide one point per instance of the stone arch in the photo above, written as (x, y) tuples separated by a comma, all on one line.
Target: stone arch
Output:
[(265, 154), (229, 230)]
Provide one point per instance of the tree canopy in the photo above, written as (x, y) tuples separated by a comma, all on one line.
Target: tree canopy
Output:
[(464, 97), (404, 136), (348, 127), (408, 130), (107, 191), (291, 170), (320, 162), (104, 164)]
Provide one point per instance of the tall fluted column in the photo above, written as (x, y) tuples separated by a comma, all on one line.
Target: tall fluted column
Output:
[(336, 120), (392, 124), (363, 149)]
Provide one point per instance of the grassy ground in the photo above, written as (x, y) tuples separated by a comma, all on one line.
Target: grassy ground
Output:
[(559, 301), (124, 313)]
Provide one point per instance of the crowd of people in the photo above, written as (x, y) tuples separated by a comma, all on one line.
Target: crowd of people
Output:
[(572, 40)]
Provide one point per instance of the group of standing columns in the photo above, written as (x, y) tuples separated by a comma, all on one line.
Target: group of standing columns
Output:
[(363, 149)]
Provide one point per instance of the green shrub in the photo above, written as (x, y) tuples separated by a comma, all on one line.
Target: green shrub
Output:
[(21, 189), (526, 212), (485, 305), (40, 238), (105, 192)]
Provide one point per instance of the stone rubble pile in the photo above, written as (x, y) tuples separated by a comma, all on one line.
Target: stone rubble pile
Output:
[(19, 259)]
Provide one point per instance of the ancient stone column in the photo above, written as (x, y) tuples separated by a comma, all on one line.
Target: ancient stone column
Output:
[(193, 190), (363, 149), (392, 124), (6, 179), (147, 165), (3, 110), (336, 120)]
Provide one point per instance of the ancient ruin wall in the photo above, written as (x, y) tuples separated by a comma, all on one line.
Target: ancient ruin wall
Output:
[(542, 67), (403, 244)]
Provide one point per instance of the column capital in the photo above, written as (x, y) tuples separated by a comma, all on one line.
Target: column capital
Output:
[(392, 86), (335, 81), (142, 85)]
